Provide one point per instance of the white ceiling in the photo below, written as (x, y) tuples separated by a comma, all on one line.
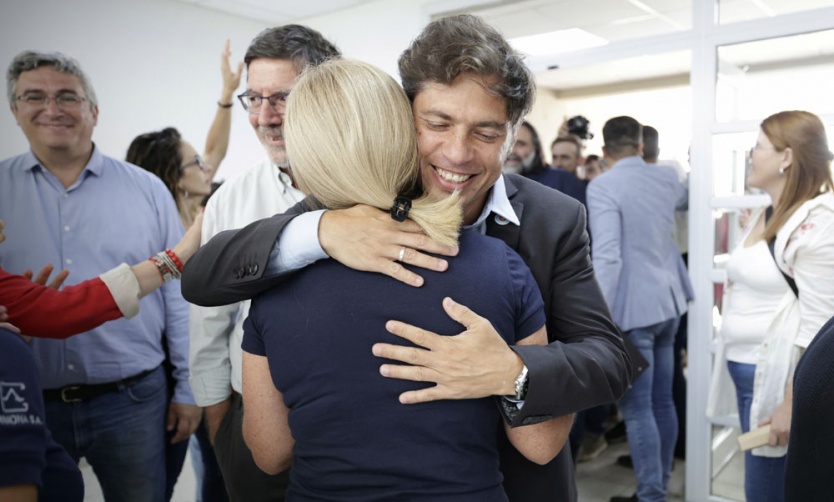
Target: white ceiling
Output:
[(277, 11), (613, 20)]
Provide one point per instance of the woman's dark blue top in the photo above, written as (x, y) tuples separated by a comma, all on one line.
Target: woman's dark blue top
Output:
[(354, 440)]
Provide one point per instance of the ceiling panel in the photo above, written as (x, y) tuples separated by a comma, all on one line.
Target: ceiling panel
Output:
[(277, 12), (639, 68)]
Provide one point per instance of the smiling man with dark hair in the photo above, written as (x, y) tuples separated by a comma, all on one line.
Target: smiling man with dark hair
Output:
[(470, 91)]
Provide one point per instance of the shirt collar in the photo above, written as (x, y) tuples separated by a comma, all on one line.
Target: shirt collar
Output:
[(498, 203), (633, 160), (286, 183), (94, 165)]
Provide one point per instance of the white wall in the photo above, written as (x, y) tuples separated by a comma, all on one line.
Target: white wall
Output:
[(375, 32), (668, 110), (153, 63)]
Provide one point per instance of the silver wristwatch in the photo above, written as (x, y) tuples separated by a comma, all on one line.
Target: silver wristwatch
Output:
[(521, 384)]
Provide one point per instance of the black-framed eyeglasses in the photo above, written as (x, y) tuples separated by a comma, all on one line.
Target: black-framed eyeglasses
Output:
[(196, 161), (66, 102), (252, 103)]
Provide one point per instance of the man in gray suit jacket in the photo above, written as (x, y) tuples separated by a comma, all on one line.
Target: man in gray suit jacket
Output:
[(632, 217), (466, 121)]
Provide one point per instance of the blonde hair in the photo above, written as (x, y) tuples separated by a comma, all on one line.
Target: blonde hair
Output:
[(350, 139), (810, 171)]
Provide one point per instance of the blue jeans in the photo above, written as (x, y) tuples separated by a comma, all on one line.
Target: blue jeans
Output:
[(649, 411), (764, 477), (122, 436)]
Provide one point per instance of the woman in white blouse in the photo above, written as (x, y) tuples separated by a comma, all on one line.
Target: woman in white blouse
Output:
[(780, 288)]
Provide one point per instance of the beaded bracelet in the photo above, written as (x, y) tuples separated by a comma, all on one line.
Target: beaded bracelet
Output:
[(164, 270), (225, 105), (166, 260), (175, 258)]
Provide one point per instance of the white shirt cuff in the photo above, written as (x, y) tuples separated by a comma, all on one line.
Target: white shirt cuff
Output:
[(212, 386), (124, 287), (298, 245)]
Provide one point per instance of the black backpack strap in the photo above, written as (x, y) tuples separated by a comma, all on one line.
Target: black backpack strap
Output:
[(770, 245)]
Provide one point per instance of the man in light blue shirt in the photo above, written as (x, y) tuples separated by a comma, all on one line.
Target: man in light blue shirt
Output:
[(631, 209), (67, 204)]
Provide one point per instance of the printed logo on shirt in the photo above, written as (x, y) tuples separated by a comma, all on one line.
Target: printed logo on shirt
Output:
[(14, 406), (10, 399)]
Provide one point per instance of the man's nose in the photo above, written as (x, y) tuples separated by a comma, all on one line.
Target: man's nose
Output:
[(52, 107), (458, 150), (268, 116)]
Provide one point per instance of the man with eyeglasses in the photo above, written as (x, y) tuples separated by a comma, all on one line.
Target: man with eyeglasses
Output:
[(273, 61), (68, 204)]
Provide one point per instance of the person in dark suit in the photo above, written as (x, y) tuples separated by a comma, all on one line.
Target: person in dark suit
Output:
[(469, 92), (808, 467)]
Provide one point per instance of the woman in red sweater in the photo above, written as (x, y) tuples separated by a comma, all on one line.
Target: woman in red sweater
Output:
[(34, 309)]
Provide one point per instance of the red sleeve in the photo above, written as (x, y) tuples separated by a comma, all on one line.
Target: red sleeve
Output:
[(48, 313)]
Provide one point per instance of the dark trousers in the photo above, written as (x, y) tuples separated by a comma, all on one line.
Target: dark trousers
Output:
[(174, 460), (212, 489), (245, 482), (679, 388), (592, 421), (121, 434)]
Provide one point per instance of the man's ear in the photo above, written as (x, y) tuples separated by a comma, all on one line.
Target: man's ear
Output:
[(95, 115)]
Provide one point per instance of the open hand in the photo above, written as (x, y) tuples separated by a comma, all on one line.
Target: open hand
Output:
[(231, 79), (44, 274), (474, 364)]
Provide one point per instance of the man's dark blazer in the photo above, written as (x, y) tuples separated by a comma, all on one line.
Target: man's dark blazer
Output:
[(585, 364)]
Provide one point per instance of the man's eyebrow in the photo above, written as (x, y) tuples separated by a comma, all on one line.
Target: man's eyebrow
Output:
[(492, 124), (436, 114), (59, 91)]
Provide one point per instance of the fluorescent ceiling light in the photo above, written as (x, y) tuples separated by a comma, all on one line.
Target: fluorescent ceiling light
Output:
[(555, 42)]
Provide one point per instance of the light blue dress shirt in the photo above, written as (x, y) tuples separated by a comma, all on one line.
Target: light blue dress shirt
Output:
[(115, 212), (631, 210)]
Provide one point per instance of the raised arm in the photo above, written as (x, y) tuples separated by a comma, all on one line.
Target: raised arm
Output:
[(217, 141)]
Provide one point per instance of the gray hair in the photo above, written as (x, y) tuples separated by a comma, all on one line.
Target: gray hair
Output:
[(30, 60)]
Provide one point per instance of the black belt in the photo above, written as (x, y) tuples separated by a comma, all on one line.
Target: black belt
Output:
[(78, 393)]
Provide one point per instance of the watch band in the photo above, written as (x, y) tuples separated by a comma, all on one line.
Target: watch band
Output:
[(521, 384)]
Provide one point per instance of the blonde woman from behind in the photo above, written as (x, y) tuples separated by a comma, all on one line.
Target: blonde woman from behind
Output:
[(312, 389)]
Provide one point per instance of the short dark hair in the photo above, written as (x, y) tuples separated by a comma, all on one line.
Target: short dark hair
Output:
[(456, 45), (159, 153), (569, 138), (621, 133), (299, 44), (651, 144)]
